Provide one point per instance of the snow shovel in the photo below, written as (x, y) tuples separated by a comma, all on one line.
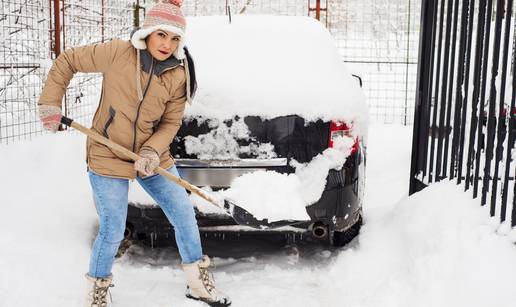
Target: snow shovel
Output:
[(239, 214)]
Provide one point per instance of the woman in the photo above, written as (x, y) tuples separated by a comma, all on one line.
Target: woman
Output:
[(142, 111)]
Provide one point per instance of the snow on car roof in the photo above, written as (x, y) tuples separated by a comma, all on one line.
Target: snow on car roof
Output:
[(270, 66)]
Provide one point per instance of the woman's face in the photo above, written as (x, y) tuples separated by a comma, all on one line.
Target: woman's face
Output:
[(162, 44)]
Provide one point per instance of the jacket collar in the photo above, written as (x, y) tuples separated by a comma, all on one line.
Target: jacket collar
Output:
[(159, 66)]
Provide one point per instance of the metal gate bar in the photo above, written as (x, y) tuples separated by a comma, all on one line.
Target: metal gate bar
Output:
[(445, 82)]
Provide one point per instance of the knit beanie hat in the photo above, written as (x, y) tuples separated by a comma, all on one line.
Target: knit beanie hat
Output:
[(165, 15)]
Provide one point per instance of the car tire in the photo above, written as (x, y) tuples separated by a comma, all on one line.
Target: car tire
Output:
[(341, 238)]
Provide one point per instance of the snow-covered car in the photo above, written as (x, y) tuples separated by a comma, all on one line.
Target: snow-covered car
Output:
[(278, 125)]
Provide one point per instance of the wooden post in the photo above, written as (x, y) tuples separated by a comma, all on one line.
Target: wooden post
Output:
[(57, 29), (318, 10)]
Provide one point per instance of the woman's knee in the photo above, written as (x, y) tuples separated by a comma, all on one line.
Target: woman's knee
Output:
[(112, 229), (185, 218)]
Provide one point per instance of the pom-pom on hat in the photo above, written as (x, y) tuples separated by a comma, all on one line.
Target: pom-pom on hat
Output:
[(165, 15)]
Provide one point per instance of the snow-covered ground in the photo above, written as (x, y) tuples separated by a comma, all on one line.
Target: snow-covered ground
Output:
[(436, 248)]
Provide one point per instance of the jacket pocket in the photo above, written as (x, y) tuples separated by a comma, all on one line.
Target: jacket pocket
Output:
[(112, 113)]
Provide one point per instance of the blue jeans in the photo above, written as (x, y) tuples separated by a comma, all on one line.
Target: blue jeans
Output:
[(111, 201)]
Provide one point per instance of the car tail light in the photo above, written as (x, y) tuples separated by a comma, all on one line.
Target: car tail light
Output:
[(342, 129)]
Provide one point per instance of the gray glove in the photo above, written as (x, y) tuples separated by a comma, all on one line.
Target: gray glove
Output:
[(148, 161)]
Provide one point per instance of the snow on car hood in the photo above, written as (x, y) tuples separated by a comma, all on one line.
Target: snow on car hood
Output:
[(271, 66)]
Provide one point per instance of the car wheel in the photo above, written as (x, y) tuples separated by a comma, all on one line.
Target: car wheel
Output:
[(341, 238)]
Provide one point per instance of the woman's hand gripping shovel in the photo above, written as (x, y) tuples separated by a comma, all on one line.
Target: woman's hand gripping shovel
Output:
[(240, 215)]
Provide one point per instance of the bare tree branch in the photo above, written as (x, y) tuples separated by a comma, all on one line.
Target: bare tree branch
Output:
[(242, 11)]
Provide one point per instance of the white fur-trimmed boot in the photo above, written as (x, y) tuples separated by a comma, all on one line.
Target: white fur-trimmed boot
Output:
[(97, 291), (201, 286)]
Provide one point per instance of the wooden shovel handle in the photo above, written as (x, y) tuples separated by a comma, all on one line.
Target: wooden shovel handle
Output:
[(99, 138)]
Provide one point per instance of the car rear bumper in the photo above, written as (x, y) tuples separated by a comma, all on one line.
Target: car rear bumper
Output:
[(222, 173), (338, 209)]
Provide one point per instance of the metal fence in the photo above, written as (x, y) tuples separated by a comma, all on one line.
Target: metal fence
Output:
[(25, 52), (33, 33), (465, 116), (377, 38)]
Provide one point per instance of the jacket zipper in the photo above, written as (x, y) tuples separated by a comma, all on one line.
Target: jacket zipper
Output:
[(141, 102)]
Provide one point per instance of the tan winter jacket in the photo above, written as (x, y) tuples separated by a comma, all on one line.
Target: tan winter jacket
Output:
[(121, 116)]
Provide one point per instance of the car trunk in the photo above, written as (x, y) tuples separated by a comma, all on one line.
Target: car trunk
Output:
[(291, 137)]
